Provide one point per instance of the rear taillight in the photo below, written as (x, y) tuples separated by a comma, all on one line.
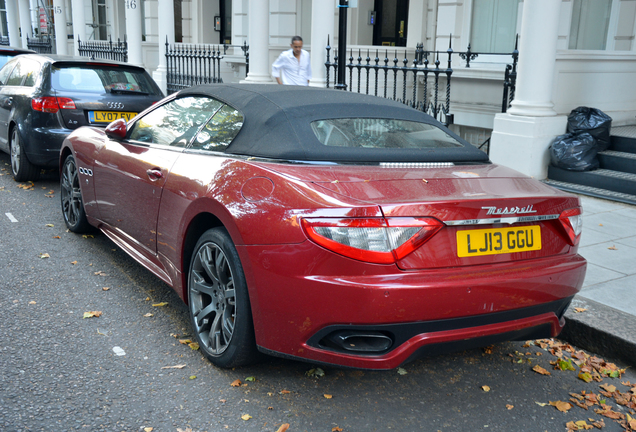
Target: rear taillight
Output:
[(51, 104), (572, 222), (374, 240)]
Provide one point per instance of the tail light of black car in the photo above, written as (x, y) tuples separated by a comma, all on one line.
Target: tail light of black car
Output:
[(374, 240), (52, 104)]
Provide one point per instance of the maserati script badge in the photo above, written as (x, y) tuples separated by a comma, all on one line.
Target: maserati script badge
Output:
[(509, 211)]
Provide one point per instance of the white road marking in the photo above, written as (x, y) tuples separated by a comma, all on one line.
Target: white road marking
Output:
[(11, 218)]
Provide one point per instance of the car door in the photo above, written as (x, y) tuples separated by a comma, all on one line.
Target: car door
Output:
[(130, 174), (16, 95), (6, 102)]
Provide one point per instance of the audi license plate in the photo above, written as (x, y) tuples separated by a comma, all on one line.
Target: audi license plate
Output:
[(109, 116), (498, 241)]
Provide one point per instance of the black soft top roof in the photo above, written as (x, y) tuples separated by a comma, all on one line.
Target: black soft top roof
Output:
[(277, 124)]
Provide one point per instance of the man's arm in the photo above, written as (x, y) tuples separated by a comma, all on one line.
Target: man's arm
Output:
[(276, 67)]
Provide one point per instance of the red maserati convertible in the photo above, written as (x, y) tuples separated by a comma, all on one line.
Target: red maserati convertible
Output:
[(325, 226)]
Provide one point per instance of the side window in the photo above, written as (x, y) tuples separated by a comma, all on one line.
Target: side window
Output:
[(32, 73), (175, 123), (5, 72), (219, 132), (18, 74)]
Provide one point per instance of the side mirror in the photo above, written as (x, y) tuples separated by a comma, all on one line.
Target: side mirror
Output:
[(117, 129)]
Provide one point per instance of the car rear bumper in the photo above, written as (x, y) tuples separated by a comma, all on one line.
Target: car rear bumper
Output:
[(301, 296), (42, 146)]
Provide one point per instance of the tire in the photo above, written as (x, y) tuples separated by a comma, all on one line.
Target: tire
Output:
[(21, 168), (219, 304), (71, 198)]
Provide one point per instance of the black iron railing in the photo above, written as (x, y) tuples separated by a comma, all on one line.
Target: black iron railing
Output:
[(41, 45), (397, 78), (104, 49), (193, 64)]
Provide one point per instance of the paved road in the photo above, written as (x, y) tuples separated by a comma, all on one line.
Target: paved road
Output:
[(59, 372)]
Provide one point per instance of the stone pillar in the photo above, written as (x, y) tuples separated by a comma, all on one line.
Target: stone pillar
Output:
[(12, 21), (260, 68), (79, 23), (322, 27), (521, 136), (416, 29), (166, 31), (133, 32), (25, 21), (61, 39)]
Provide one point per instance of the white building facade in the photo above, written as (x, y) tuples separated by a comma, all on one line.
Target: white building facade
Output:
[(572, 52)]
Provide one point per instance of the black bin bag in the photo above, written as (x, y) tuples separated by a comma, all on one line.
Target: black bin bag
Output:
[(593, 121), (574, 152)]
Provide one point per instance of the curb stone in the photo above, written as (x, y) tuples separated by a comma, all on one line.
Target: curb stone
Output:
[(602, 329)]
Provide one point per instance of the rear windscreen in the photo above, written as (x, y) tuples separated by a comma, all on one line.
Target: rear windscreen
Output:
[(381, 133), (101, 80)]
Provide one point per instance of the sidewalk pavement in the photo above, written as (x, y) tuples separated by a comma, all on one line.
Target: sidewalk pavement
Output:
[(608, 242)]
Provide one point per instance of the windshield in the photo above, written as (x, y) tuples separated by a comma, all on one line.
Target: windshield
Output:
[(381, 133), (102, 79)]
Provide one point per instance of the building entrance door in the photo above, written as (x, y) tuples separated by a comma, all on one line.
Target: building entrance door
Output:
[(391, 22)]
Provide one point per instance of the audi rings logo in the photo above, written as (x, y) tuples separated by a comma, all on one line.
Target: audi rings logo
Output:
[(85, 171), (115, 105)]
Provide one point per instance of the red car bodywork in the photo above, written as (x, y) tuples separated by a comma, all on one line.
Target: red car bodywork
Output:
[(155, 202)]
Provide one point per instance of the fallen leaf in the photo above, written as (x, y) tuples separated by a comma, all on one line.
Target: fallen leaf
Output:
[(565, 364), (585, 377), (88, 236), (283, 427), (49, 225), (561, 406), (336, 429), (485, 388), (540, 370), (92, 314), (148, 429), (181, 366), (608, 387), (194, 346), (401, 371), (328, 396), (73, 262), (185, 341), (579, 425), (99, 273), (45, 255), (579, 310), (612, 248), (105, 288), (509, 406), (246, 417), (148, 315), (541, 404), (285, 392), (488, 349), (162, 304), (32, 302), (250, 379), (236, 383), (56, 237), (193, 377), (315, 372)]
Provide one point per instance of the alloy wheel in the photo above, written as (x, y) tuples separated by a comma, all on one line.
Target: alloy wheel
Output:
[(16, 154), (212, 298), (71, 195)]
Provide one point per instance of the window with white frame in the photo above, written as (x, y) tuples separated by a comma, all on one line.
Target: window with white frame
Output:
[(494, 25), (590, 23)]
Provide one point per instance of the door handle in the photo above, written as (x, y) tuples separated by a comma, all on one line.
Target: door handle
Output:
[(154, 174)]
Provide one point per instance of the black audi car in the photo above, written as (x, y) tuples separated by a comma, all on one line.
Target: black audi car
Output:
[(43, 98)]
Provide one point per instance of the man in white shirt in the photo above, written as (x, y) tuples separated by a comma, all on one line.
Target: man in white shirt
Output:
[(292, 67)]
